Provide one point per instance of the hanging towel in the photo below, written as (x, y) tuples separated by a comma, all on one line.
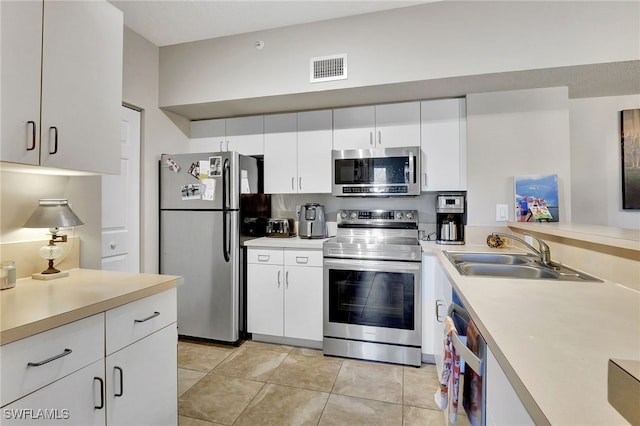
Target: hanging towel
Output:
[(450, 374), (472, 391)]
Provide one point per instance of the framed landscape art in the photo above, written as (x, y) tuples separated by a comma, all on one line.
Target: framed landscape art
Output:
[(630, 155)]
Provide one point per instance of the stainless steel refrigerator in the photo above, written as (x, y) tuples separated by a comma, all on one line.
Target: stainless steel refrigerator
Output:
[(199, 238)]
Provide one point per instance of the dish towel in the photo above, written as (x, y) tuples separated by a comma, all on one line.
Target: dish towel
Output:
[(472, 391), (450, 379)]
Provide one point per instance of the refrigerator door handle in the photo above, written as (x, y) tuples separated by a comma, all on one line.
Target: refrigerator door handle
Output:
[(226, 192)]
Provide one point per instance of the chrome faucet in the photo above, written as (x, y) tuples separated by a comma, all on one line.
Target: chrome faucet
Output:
[(544, 252)]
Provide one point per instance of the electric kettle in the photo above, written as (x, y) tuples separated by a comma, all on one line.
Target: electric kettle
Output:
[(311, 221)]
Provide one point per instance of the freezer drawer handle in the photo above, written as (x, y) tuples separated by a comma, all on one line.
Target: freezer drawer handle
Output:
[(155, 314), (121, 382), (53, 358), (101, 406), (264, 257)]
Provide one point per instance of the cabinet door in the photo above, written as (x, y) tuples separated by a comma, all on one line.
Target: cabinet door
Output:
[(503, 406), (315, 141), (430, 306), (353, 128), (280, 154), (398, 125), (142, 380), (77, 399), (444, 155), (208, 136), (443, 297), (81, 86), (265, 299), (21, 33), (245, 135), (303, 302)]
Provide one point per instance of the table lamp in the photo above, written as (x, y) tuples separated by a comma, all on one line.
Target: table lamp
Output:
[(52, 214)]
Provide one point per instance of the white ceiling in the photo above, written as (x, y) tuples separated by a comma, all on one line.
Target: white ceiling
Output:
[(170, 22)]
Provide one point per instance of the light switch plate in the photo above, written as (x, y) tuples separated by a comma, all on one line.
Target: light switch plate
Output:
[(502, 212)]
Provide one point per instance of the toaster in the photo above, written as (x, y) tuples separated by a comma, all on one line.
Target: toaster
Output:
[(280, 228)]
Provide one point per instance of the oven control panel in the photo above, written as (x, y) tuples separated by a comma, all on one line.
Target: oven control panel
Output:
[(377, 218)]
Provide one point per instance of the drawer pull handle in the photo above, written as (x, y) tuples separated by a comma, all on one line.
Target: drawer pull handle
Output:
[(101, 406), (121, 382), (155, 314), (302, 259), (53, 358), (263, 257)]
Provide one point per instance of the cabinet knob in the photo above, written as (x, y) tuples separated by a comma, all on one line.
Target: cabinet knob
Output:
[(112, 246)]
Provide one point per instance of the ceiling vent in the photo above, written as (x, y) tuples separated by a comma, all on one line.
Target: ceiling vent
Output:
[(328, 68)]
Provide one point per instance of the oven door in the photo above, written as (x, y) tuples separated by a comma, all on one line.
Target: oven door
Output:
[(373, 301)]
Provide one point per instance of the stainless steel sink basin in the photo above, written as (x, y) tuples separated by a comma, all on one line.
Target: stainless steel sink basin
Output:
[(512, 265), (493, 258)]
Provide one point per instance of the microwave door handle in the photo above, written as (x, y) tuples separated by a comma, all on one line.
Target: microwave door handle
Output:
[(412, 174)]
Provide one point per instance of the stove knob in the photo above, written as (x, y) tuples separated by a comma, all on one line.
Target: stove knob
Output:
[(399, 215), (409, 216), (353, 215), (343, 215)]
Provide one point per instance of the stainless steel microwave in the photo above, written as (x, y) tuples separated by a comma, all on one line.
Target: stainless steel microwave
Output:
[(382, 172)]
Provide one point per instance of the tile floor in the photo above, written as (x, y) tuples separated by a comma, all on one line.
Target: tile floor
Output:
[(267, 384)]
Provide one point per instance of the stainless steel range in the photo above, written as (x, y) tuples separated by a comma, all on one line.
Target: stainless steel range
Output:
[(372, 296)]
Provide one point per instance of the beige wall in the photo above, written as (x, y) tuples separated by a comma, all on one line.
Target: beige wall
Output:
[(161, 133), (522, 132), (596, 177)]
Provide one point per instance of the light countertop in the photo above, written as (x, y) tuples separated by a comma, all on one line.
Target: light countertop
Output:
[(34, 306), (292, 242), (553, 339)]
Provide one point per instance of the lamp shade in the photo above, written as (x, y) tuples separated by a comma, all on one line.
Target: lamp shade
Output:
[(53, 213)]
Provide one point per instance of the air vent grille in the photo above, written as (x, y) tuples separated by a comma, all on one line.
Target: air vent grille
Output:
[(328, 68)]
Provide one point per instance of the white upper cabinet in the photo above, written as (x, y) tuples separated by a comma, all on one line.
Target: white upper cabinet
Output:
[(444, 145), (379, 126), (81, 93), (315, 141), (242, 134), (297, 152)]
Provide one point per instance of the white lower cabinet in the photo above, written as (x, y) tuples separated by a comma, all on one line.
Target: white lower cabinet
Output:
[(284, 293), (77, 399), (503, 405), (428, 304), (443, 298), (142, 381)]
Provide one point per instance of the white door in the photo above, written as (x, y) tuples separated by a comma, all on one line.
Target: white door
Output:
[(354, 128), (280, 154), (121, 202), (303, 302), (315, 140)]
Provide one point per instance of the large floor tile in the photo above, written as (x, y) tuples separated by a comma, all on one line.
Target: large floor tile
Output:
[(273, 347), (382, 382), (218, 399), (187, 378), (414, 416), (251, 363), (308, 372), (345, 410), (283, 405), (201, 356), (420, 385), (190, 421)]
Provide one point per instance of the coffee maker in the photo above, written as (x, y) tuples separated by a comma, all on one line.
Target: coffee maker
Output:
[(450, 218)]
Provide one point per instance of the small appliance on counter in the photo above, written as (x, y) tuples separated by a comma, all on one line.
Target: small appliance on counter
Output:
[(280, 228), (450, 219), (311, 221)]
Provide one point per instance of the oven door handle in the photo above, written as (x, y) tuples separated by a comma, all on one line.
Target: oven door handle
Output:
[(371, 265)]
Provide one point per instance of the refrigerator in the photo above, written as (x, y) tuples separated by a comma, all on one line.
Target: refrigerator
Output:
[(200, 238)]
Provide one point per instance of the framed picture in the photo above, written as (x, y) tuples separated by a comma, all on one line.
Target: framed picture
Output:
[(536, 198), (630, 155)]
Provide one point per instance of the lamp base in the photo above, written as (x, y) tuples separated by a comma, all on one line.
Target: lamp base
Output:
[(47, 277)]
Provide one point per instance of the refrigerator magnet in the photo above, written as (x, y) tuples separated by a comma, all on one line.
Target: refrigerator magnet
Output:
[(215, 164), (191, 191), (173, 166), (194, 170)]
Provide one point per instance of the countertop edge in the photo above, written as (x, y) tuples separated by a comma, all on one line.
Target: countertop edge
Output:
[(63, 318)]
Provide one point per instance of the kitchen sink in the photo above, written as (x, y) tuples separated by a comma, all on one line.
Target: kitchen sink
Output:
[(512, 265)]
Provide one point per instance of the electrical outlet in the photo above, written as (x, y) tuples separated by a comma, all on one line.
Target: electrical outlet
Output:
[(502, 212)]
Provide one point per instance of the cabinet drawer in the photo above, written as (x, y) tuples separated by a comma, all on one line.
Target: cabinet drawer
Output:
[(266, 256), (303, 257), (133, 321), (36, 361)]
